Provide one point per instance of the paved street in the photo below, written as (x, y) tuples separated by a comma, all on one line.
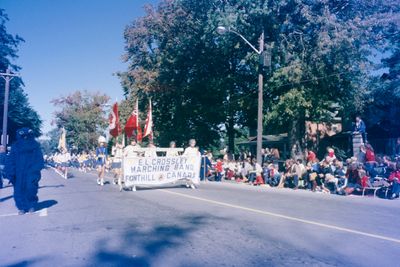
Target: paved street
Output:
[(219, 224)]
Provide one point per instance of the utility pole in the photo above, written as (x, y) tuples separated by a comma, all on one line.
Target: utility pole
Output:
[(264, 61), (260, 98), (8, 76)]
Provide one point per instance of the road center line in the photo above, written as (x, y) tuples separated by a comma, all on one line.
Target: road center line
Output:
[(9, 215), (277, 215)]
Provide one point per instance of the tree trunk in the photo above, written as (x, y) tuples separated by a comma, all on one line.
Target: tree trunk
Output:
[(231, 135), (296, 135)]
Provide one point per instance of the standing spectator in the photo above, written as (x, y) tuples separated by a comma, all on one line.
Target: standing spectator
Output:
[(23, 168), (2, 164), (218, 170), (205, 165), (275, 154), (397, 149), (370, 161), (361, 155), (360, 128)]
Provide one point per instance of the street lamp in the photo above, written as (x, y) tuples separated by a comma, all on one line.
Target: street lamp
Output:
[(260, 52), (8, 76)]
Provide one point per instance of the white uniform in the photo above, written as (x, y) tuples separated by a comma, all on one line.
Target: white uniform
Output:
[(191, 152)]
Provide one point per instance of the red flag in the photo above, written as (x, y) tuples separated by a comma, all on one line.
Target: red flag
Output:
[(115, 126), (148, 129), (133, 121), (139, 136)]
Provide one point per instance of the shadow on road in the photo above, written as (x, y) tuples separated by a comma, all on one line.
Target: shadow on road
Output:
[(51, 186), (26, 263), (45, 204), (142, 245), (5, 198)]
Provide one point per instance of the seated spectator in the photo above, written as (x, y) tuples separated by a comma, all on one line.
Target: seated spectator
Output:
[(255, 174), (294, 171), (311, 156), (365, 182), (394, 178), (330, 157), (324, 176), (230, 170), (271, 175), (313, 169), (246, 169), (353, 179)]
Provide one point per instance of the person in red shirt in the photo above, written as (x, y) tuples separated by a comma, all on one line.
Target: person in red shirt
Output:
[(219, 169), (370, 161), (311, 156), (395, 179), (369, 153)]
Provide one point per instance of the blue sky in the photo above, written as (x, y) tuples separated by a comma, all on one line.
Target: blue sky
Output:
[(70, 45)]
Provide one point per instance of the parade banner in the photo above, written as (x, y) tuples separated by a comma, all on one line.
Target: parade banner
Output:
[(157, 171)]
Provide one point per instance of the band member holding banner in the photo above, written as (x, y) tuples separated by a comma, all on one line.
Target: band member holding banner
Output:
[(191, 152), (101, 159), (131, 150), (172, 153), (152, 151)]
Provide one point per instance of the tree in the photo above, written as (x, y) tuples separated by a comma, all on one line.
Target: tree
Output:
[(82, 115), (21, 114), (383, 109), (195, 85), (203, 85), (50, 142)]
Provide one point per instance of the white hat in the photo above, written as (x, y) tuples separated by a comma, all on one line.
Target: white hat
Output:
[(102, 139)]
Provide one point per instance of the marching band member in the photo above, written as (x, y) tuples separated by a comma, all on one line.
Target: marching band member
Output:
[(131, 150), (116, 164), (191, 151), (64, 158), (172, 153), (152, 151), (101, 156)]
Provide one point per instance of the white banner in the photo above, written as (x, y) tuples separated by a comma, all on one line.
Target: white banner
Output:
[(160, 170)]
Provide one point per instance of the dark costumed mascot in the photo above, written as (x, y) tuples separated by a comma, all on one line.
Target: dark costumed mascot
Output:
[(23, 168)]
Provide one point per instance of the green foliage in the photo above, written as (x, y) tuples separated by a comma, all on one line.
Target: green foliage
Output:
[(82, 115), (50, 142), (200, 81), (21, 114)]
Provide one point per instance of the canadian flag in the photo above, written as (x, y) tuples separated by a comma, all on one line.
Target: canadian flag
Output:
[(115, 126), (132, 123), (148, 128)]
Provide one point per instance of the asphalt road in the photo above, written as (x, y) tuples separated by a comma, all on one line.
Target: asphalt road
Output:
[(219, 224)]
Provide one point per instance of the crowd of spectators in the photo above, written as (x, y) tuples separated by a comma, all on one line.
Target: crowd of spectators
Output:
[(331, 174), (356, 175)]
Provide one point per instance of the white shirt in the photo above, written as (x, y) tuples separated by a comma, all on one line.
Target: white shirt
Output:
[(130, 151), (191, 152)]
